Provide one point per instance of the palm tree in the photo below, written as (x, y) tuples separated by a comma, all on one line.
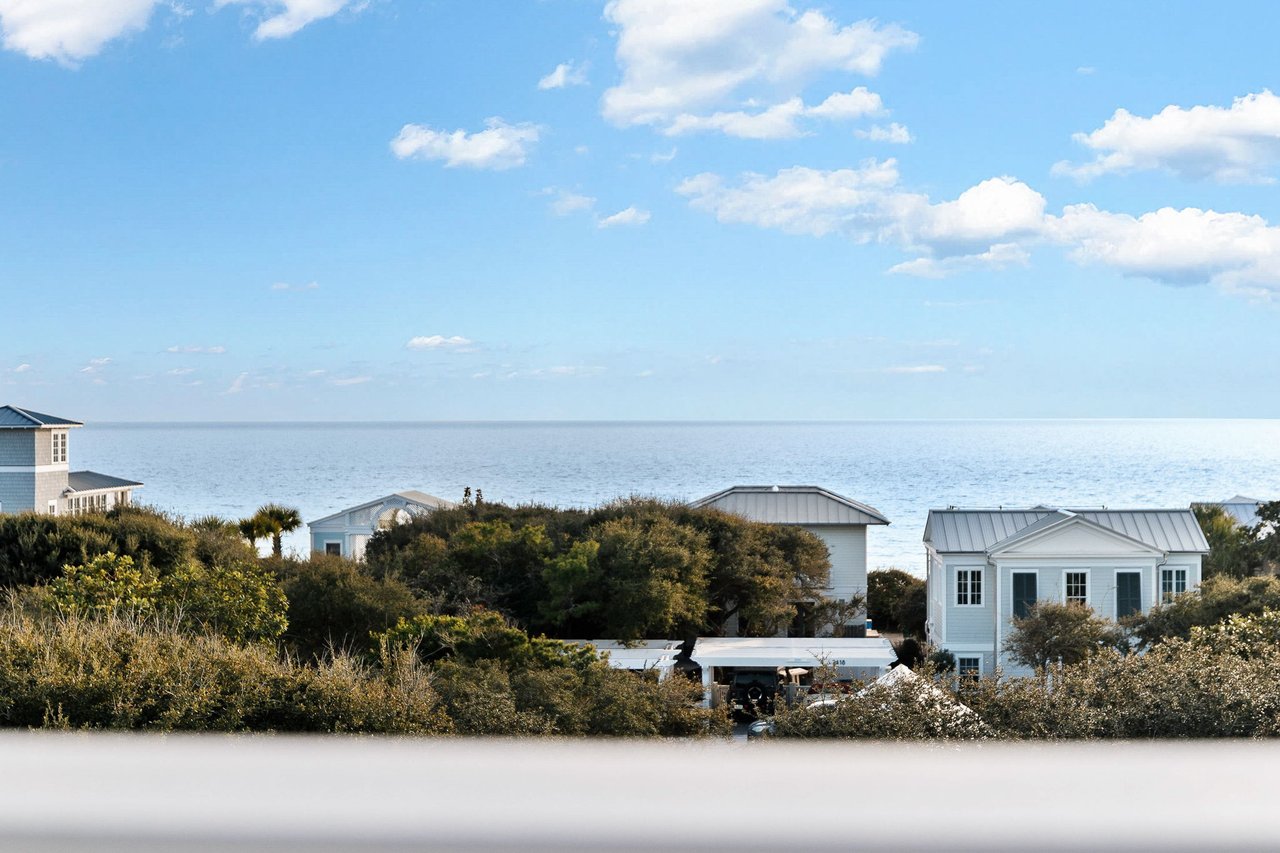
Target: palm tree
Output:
[(278, 520), (253, 528)]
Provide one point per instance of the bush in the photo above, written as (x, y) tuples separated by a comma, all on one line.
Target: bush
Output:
[(1215, 600), (885, 591), (908, 708), (1065, 633), (334, 606), (130, 674)]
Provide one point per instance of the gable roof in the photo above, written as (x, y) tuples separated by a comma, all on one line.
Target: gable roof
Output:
[(792, 505), (409, 496), (11, 417), (88, 481), (976, 531), (1057, 521)]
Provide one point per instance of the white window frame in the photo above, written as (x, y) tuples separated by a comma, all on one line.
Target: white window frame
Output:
[(59, 447), (1088, 585), (1173, 571), (329, 553), (971, 570), (978, 658)]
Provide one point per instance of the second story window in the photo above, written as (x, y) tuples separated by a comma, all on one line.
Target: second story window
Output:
[(59, 447), (969, 587), (1077, 584)]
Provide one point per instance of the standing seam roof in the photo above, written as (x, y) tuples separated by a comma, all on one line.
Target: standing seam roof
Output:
[(11, 417), (976, 531), (792, 505)]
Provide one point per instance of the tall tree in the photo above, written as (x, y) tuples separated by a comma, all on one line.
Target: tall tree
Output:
[(278, 519)]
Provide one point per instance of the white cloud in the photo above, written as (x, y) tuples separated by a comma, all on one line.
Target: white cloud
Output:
[(237, 384), (780, 120), (566, 202), (565, 74), (1236, 144), (69, 31), (95, 365), (687, 61), (180, 371), (296, 288), (350, 380), (894, 133), (1086, 70), (998, 257), (499, 146), (915, 369), (283, 18), (629, 216), (867, 205), (214, 350), (22, 368), (664, 158), (799, 200), (564, 371), (993, 224), (1234, 251), (440, 342)]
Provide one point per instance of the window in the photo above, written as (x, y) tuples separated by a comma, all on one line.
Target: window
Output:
[(1172, 582), (969, 587), (1024, 593), (1077, 587), (969, 666), (334, 548), (1128, 594), (59, 447)]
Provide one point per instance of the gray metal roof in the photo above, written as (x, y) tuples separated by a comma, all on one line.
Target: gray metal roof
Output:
[(90, 481), (975, 531), (792, 505), (1243, 510), (11, 417)]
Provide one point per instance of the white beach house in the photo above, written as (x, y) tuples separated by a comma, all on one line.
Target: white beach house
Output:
[(840, 522), (347, 532), (987, 565)]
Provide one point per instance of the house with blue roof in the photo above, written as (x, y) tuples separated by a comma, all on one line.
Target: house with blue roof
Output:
[(35, 473), (986, 566)]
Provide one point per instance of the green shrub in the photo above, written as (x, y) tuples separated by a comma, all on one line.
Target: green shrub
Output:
[(131, 674), (335, 606)]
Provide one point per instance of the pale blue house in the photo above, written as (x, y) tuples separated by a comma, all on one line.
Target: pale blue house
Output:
[(986, 566)]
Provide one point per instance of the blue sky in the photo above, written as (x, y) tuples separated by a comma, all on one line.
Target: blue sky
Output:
[(643, 209)]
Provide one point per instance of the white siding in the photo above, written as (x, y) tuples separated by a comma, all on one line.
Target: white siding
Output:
[(847, 548)]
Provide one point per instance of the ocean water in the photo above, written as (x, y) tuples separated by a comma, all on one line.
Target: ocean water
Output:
[(903, 468)]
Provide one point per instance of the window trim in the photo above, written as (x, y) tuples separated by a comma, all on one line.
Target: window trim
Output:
[(58, 447), (333, 542), (1120, 572), (981, 572), (1013, 602), (977, 657), (1173, 571), (1088, 585)]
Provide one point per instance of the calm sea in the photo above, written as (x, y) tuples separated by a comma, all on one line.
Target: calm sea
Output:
[(903, 468)]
